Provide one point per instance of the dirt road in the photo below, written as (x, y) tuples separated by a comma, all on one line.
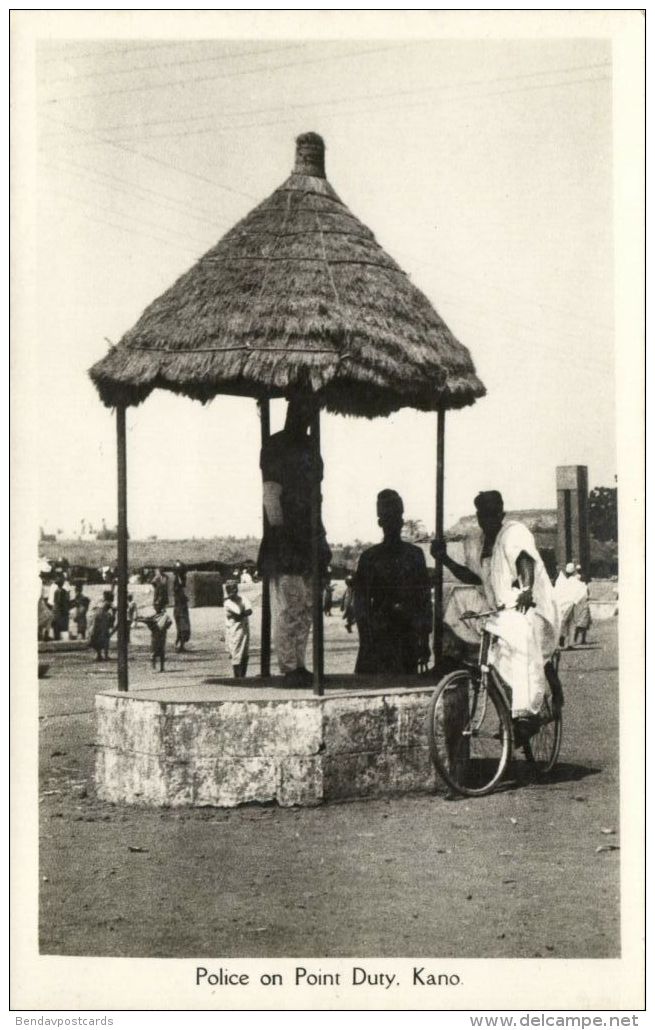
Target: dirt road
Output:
[(516, 874)]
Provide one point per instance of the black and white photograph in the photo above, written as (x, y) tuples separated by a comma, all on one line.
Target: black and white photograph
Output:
[(328, 403)]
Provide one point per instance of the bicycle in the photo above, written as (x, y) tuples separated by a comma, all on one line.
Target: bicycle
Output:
[(470, 729)]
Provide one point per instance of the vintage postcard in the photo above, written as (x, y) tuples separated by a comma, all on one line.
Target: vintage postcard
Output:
[(328, 511)]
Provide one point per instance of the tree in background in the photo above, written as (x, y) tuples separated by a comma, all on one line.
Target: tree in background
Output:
[(415, 531), (603, 513)]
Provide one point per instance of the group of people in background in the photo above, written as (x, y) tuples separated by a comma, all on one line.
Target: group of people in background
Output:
[(60, 605), (65, 612)]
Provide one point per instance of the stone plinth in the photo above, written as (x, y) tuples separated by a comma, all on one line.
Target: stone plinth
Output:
[(216, 743)]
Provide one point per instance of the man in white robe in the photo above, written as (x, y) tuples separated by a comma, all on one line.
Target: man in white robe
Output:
[(507, 572), (570, 593)]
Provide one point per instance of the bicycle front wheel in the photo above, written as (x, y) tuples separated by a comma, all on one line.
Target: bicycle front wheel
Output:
[(469, 733)]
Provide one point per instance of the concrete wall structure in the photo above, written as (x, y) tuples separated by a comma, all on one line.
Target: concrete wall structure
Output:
[(294, 751)]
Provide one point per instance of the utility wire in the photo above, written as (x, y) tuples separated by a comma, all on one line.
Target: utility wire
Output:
[(384, 96), (69, 165), (576, 336), (494, 318), (370, 110), (138, 232), (128, 214), (172, 64), (565, 358), (593, 323), (127, 48), (155, 160), (173, 203), (458, 276), (350, 99), (229, 75)]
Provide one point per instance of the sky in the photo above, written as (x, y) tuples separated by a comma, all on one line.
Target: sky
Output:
[(484, 167)]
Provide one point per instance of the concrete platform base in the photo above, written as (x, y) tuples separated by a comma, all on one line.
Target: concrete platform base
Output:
[(223, 744)]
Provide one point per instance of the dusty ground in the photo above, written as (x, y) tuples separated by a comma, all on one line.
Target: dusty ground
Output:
[(516, 874)]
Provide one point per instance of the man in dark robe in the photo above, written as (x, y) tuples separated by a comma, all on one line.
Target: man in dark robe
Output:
[(60, 607), (285, 555), (181, 607), (393, 610)]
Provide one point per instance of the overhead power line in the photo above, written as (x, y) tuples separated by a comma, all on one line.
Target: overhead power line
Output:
[(235, 74), (94, 205), (565, 359), (575, 337), (154, 160), (125, 49), (457, 98), (463, 98), (349, 114), (592, 323), (350, 99), (138, 232), (172, 64), (107, 181)]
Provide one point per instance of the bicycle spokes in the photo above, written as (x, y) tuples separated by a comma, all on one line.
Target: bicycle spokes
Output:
[(470, 733)]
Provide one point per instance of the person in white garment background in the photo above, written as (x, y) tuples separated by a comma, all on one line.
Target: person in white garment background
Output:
[(583, 618), (285, 555), (237, 612), (506, 570), (570, 594)]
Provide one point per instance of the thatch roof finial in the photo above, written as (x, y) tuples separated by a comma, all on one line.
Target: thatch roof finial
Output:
[(310, 155)]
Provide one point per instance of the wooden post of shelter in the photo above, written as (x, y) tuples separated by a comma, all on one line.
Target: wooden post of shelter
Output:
[(437, 625), (121, 607), (317, 579), (265, 652)]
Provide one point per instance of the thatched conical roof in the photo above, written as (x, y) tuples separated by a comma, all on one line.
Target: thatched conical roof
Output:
[(298, 295)]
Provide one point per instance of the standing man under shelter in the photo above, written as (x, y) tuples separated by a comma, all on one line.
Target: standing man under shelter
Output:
[(507, 572), (392, 604), (287, 464)]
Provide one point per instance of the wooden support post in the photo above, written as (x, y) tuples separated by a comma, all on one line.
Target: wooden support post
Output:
[(437, 625), (265, 653), (121, 605), (317, 578)]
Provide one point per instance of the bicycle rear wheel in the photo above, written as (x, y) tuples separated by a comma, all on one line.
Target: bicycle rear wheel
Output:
[(469, 732), (542, 749)]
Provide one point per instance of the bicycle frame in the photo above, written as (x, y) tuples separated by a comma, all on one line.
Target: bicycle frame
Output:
[(480, 674), (483, 670)]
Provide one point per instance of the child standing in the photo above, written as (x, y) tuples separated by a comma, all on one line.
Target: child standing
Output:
[(81, 604), (159, 625), (237, 628), (103, 627)]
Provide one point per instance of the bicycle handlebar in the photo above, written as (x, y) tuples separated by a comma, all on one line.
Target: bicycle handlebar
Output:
[(469, 616)]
